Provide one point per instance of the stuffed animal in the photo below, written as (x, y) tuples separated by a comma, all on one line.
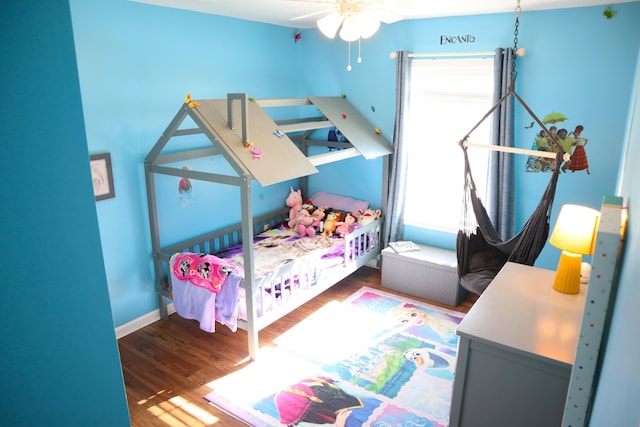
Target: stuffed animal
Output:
[(308, 205), (331, 223), (304, 223), (346, 226), (294, 201), (318, 217), (367, 216)]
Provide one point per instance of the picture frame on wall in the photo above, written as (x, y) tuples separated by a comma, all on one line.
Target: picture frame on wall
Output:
[(102, 176)]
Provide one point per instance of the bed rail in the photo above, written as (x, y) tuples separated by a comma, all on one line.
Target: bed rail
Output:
[(287, 288)]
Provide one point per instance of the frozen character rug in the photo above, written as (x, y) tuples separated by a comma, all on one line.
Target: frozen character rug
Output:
[(375, 359)]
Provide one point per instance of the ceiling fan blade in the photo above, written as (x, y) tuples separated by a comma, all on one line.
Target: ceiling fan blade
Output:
[(386, 16), (312, 14)]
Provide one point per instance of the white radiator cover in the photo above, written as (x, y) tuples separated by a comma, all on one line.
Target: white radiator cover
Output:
[(430, 273)]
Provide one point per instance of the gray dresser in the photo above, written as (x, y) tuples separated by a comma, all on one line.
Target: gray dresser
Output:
[(516, 351)]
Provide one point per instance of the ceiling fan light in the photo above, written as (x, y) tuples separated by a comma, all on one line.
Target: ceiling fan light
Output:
[(329, 24), (349, 31), (367, 24)]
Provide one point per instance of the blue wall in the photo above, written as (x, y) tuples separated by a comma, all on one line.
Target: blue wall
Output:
[(137, 62), (59, 357)]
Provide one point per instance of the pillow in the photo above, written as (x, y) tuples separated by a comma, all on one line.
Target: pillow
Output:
[(341, 203)]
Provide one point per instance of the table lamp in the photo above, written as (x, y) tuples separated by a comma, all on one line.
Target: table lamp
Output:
[(575, 235)]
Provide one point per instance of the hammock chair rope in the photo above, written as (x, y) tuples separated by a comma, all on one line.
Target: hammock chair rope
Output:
[(480, 250)]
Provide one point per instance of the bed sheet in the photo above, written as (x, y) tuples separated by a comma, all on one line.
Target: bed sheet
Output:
[(279, 246)]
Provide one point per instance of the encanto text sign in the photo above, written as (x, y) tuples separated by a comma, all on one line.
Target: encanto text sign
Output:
[(468, 38)]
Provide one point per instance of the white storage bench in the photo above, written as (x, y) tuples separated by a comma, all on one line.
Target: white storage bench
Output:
[(430, 273)]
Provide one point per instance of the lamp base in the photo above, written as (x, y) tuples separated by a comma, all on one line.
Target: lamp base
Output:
[(567, 278)]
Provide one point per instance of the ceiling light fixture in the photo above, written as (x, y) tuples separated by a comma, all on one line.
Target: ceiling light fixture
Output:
[(355, 20)]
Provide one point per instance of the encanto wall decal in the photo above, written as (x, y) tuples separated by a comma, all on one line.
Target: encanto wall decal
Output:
[(572, 142), (457, 39)]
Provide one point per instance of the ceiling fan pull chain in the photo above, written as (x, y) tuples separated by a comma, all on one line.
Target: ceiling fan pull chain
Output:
[(359, 56), (349, 59)]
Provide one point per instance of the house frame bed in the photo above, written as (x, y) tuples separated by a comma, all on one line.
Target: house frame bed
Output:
[(232, 126)]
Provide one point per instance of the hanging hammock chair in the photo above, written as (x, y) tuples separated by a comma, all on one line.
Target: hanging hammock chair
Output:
[(481, 252)]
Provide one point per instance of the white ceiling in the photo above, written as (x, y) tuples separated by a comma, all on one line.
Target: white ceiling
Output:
[(288, 13)]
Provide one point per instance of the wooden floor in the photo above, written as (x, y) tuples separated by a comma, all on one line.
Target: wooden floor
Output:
[(167, 365)]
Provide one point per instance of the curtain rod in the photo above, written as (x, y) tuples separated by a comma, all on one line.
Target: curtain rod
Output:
[(393, 55)]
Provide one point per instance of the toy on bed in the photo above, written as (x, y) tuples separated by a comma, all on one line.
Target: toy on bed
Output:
[(304, 223), (367, 216), (308, 205), (294, 201), (346, 226), (318, 220), (331, 222)]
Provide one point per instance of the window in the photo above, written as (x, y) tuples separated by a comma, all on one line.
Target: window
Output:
[(448, 98)]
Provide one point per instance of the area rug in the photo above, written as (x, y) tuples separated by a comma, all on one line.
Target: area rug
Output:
[(375, 359)]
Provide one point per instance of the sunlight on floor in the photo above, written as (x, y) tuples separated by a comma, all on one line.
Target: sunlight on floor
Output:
[(178, 411), (311, 334), (319, 317), (257, 379), (307, 336)]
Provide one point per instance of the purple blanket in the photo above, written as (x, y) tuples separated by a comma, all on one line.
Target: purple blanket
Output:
[(198, 303)]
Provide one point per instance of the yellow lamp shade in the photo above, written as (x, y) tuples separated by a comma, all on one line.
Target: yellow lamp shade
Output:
[(574, 233), (575, 229)]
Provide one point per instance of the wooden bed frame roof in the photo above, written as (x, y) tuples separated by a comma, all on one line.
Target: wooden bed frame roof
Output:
[(233, 123)]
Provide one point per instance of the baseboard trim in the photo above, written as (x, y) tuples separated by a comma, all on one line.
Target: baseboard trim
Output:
[(141, 322)]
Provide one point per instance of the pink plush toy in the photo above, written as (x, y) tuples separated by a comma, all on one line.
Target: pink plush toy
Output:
[(346, 226), (304, 223), (294, 201)]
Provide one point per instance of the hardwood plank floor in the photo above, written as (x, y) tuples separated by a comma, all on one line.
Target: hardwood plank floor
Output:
[(167, 364)]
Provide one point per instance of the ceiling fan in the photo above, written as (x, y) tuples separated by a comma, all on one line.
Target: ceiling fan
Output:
[(355, 19)]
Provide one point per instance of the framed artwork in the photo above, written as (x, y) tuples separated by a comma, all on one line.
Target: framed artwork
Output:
[(102, 176)]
